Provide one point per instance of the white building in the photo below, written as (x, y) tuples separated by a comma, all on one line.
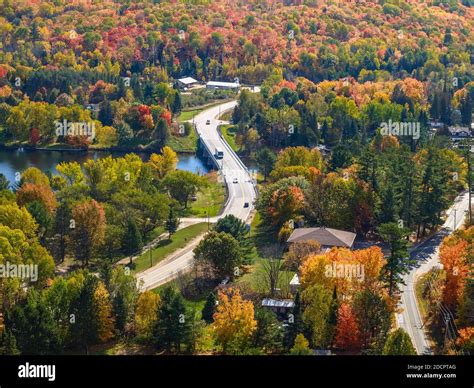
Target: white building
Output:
[(222, 85), (187, 82)]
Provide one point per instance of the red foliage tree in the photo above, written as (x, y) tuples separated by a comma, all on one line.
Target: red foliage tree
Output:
[(347, 332), (35, 136), (167, 116)]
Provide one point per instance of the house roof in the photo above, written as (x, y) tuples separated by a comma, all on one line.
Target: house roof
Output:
[(223, 84), (325, 236), (267, 302), (295, 280), (187, 80), (459, 131)]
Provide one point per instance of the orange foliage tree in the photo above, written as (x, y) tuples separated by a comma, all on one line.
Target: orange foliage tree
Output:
[(347, 332)]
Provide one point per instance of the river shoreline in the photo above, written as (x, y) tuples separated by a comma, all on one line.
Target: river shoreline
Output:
[(15, 147)]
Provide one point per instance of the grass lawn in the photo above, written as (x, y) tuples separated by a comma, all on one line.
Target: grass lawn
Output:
[(189, 114), (262, 237), (184, 143), (422, 303), (155, 233), (165, 247), (256, 279), (197, 303), (209, 199), (230, 136)]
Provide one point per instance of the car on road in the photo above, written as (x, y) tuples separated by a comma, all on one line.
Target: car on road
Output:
[(208, 122), (246, 204), (235, 180)]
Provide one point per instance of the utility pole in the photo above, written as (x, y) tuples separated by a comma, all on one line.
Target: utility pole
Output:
[(467, 156), (469, 180)]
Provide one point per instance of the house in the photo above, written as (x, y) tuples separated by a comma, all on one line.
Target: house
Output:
[(327, 237), (94, 108), (295, 284), (459, 133), (279, 306), (322, 148), (186, 82), (222, 85)]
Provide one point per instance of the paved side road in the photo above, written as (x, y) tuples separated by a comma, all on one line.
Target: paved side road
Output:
[(239, 193), (426, 256)]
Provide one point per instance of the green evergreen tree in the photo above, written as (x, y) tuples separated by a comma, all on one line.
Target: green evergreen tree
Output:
[(173, 327), (172, 223), (398, 262), (265, 160), (84, 325), (9, 347), (176, 105), (132, 239), (295, 324), (209, 308), (162, 132), (399, 344)]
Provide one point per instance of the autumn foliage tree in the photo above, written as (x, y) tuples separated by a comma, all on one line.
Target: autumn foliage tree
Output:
[(286, 203), (234, 321), (146, 313), (30, 192), (453, 253), (89, 229), (347, 331)]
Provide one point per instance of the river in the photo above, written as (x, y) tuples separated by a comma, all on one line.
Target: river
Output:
[(13, 161)]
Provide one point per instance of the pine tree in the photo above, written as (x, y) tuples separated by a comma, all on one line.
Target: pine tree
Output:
[(176, 106), (174, 323), (387, 209), (162, 132), (172, 223), (398, 261), (295, 326), (209, 308), (84, 328), (399, 344), (106, 114), (132, 239), (466, 109), (9, 344)]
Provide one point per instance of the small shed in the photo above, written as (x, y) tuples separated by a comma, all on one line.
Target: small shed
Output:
[(278, 306)]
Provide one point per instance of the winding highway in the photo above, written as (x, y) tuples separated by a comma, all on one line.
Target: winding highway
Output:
[(426, 257), (240, 189)]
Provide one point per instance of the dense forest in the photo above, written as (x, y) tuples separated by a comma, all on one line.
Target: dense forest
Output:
[(330, 75)]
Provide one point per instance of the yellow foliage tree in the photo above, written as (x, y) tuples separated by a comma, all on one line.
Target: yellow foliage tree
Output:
[(146, 312), (328, 269), (301, 346), (164, 163), (105, 319), (234, 321)]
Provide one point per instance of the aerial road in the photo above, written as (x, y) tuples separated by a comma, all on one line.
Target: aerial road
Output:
[(240, 189), (426, 256)]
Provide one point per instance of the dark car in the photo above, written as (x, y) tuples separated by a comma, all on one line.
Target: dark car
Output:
[(246, 204)]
